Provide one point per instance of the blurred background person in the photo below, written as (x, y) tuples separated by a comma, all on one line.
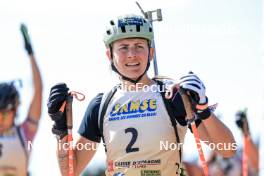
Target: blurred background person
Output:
[(219, 166), (14, 155)]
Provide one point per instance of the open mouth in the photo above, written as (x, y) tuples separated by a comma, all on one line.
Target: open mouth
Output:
[(132, 64)]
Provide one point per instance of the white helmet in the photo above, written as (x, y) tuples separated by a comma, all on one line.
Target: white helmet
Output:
[(128, 26)]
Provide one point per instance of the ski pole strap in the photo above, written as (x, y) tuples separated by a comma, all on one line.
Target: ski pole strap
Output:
[(190, 117), (69, 106), (79, 96)]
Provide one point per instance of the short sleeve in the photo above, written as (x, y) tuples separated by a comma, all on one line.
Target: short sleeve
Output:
[(89, 128)]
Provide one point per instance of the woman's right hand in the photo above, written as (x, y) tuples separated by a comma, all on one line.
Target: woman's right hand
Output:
[(58, 94)]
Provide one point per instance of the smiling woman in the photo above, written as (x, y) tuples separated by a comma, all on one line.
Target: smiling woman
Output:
[(131, 123), (129, 57)]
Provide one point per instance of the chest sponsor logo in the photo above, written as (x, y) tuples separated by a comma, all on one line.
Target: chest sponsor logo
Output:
[(133, 109), (150, 173), (135, 164)]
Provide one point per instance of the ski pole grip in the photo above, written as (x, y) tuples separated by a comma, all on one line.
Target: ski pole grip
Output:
[(187, 104), (69, 111)]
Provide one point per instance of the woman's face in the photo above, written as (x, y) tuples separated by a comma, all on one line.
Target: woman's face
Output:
[(6, 120), (130, 56)]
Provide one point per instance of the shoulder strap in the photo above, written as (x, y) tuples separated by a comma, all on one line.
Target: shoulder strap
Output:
[(22, 141), (102, 110), (170, 111)]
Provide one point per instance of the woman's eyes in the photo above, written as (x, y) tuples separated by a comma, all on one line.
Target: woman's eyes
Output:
[(139, 46), (125, 48)]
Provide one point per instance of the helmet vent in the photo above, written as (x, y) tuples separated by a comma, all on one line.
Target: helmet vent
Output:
[(123, 29), (138, 28), (150, 29), (112, 23), (108, 32)]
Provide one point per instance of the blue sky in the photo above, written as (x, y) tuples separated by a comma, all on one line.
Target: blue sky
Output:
[(218, 40)]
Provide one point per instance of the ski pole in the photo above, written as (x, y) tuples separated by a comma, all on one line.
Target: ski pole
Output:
[(245, 149), (242, 123), (190, 117), (68, 104), (245, 156), (69, 137)]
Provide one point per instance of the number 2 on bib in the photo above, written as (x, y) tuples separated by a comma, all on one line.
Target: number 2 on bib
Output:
[(129, 147)]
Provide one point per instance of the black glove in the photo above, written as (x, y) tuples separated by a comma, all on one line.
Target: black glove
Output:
[(26, 37), (58, 94), (241, 120)]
